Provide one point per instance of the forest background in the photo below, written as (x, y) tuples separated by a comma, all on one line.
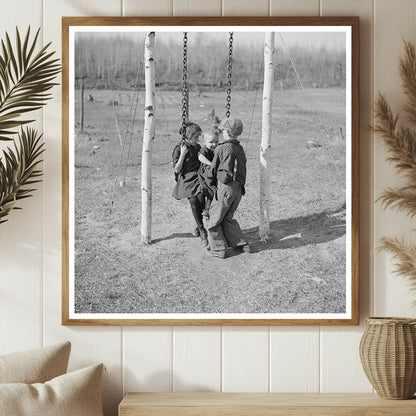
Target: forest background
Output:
[(113, 62)]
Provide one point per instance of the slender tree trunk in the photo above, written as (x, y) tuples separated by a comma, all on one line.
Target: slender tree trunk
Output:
[(264, 226), (148, 137), (82, 105)]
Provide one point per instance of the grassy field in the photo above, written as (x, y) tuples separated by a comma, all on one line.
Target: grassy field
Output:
[(301, 269)]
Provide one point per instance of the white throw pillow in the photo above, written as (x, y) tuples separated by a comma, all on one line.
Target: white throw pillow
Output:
[(73, 394), (35, 366)]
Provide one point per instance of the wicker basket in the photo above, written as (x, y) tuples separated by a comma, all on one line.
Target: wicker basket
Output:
[(388, 356)]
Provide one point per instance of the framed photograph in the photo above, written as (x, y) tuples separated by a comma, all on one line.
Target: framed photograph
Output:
[(210, 171)]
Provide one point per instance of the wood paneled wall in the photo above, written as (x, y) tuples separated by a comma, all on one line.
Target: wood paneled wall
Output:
[(261, 359)]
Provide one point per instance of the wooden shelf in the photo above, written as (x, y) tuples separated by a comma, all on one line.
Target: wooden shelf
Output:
[(262, 404)]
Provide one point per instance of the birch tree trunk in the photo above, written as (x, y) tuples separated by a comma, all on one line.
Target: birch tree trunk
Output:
[(264, 225), (82, 104), (148, 137)]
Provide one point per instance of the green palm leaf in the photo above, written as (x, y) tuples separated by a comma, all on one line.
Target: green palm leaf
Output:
[(19, 168), (25, 79)]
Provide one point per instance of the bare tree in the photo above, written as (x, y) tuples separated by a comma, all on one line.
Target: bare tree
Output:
[(148, 137), (264, 226)]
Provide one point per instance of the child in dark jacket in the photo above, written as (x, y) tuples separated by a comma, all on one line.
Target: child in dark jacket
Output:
[(186, 166), (205, 156), (228, 174)]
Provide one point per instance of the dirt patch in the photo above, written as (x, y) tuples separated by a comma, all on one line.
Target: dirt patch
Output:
[(301, 269)]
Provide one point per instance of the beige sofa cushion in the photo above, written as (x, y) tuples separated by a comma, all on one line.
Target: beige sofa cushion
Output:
[(73, 394), (35, 366)]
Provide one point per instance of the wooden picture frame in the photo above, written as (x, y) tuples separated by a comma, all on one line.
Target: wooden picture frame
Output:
[(111, 264)]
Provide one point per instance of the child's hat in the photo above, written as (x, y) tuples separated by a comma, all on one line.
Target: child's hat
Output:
[(234, 126)]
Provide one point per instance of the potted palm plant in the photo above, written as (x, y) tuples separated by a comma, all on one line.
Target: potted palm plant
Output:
[(26, 78), (388, 346)]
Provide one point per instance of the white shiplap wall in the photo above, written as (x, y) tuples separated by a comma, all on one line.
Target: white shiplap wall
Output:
[(304, 359)]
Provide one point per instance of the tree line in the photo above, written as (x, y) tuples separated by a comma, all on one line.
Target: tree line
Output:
[(116, 62)]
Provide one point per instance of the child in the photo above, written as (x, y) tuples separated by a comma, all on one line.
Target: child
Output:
[(205, 156), (228, 174), (186, 165)]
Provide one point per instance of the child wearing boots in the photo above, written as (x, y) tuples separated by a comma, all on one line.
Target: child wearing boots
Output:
[(186, 165)]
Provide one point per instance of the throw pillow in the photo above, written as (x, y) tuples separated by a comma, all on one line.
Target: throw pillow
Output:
[(73, 394), (35, 366)]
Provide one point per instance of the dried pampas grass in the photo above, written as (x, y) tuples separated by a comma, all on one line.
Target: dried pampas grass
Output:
[(401, 144), (405, 255)]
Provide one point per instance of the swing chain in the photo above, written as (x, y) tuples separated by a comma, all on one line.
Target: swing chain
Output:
[(185, 84), (229, 75)]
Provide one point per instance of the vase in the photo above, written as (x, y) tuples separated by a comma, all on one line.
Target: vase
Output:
[(388, 356)]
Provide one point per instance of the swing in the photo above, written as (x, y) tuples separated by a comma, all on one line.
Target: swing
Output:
[(149, 118), (185, 91)]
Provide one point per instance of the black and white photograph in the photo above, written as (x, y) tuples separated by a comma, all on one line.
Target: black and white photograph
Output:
[(210, 173)]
